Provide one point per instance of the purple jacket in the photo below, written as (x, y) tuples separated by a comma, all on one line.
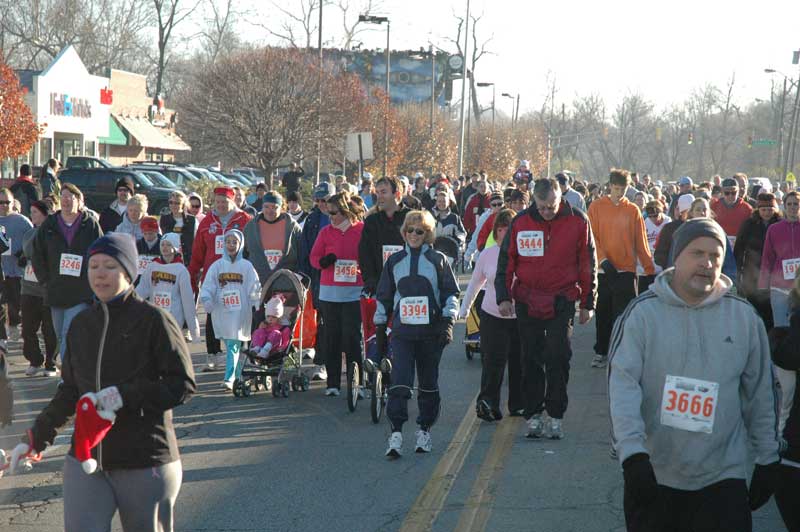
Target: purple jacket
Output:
[(781, 245)]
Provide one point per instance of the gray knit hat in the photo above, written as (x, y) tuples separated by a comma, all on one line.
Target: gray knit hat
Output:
[(696, 228)]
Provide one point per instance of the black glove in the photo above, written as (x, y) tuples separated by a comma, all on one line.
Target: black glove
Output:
[(640, 479), (381, 341), (22, 261), (369, 288), (327, 261), (762, 484), (444, 332), (608, 268), (6, 395)]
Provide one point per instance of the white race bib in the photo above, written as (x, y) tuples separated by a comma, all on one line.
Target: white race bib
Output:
[(414, 311), (790, 267), (8, 251), (219, 245), (388, 251), (29, 275), (70, 265), (689, 404), (144, 261), (346, 271), (273, 257), (162, 299), (530, 243), (231, 301)]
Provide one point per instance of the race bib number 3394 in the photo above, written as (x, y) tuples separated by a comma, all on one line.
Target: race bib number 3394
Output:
[(689, 404)]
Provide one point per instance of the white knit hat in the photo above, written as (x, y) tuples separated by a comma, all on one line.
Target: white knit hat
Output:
[(274, 307), (174, 239)]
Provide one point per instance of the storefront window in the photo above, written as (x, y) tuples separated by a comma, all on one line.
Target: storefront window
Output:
[(66, 148), (89, 148), (45, 151)]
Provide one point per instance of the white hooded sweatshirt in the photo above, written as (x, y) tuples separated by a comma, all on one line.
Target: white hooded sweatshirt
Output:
[(229, 293), (168, 286)]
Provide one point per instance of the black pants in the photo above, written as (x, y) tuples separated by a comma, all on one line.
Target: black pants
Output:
[(546, 352), (11, 298), (35, 315), (643, 282), (787, 495), (407, 355), (500, 345), (720, 507), (614, 292), (342, 335), (212, 343)]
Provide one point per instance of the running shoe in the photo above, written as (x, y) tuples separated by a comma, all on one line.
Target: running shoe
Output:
[(32, 371), (599, 361), (332, 392), (535, 426), (394, 450), (554, 429), (498, 415), (484, 411), (519, 412), (12, 332), (50, 371), (227, 385), (424, 444)]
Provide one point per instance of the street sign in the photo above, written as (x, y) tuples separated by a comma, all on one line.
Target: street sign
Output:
[(359, 146), (790, 178), (764, 142)]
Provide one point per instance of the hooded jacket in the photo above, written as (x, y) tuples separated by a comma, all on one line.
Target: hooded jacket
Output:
[(187, 232), (127, 226), (230, 292), (208, 246), (110, 217), (167, 286), (781, 250), (256, 254), (26, 191), (747, 251), (380, 234), (659, 335)]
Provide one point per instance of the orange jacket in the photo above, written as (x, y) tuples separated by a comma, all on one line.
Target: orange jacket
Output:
[(620, 235)]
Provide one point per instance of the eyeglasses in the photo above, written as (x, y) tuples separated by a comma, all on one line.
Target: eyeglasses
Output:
[(496, 204), (791, 204), (5, 203), (418, 232)]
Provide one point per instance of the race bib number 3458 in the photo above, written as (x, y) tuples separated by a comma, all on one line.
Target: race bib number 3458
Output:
[(689, 404)]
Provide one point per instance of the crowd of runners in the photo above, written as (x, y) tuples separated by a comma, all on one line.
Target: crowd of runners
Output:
[(693, 288)]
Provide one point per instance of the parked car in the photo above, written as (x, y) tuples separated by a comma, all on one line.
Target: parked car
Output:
[(159, 179), (239, 179), (80, 161), (176, 174), (764, 182), (99, 187)]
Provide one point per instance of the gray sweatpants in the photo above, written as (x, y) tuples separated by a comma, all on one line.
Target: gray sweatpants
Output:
[(144, 497)]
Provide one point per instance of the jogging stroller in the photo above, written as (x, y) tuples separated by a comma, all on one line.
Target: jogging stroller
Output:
[(472, 336), (378, 372), (284, 370)]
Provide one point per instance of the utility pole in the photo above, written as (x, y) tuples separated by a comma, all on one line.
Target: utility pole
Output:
[(319, 96), (463, 95), (371, 19)]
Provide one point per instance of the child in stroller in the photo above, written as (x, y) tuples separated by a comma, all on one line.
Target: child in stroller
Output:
[(272, 337)]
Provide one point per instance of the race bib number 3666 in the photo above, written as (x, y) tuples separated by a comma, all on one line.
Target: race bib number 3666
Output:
[(530, 243), (689, 404)]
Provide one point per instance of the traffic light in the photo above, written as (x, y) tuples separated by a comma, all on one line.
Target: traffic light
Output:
[(690, 139)]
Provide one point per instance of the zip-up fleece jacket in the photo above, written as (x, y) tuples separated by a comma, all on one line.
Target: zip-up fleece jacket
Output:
[(48, 246), (379, 231), (203, 248), (659, 335), (567, 265), (782, 243), (620, 235), (417, 272), (255, 252), (345, 246), (172, 278), (731, 218), (475, 206), (130, 344)]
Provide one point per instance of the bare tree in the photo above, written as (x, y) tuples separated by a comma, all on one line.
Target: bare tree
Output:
[(351, 26), (299, 25), (168, 16), (478, 51)]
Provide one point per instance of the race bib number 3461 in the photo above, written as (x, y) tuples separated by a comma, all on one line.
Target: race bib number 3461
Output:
[(689, 404)]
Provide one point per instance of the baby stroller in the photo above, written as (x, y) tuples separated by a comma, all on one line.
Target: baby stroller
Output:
[(472, 336), (378, 372), (280, 371), (450, 248)]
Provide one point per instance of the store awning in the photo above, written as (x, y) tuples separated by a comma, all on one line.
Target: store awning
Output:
[(116, 137), (149, 136)]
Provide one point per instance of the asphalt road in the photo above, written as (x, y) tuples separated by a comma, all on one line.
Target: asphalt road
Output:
[(305, 463)]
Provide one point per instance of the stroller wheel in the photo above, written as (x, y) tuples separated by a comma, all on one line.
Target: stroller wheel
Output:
[(276, 389), (376, 400), (237, 388), (259, 382), (246, 390), (304, 383), (267, 382), (353, 381), (295, 383)]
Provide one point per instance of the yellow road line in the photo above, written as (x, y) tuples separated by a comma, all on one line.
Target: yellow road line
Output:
[(429, 503), (478, 508)]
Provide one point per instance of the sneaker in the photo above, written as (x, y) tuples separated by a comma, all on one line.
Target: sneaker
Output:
[(535, 426), (498, 415), (369, 366), (332, 392), (210, 363), (599, 361), (320, 374), (386, 365), (12, 332), (519, 412), (394, 450), (423, 441), (32, 371), (50, 371), (484, 411), (554, 429), (227, 385)]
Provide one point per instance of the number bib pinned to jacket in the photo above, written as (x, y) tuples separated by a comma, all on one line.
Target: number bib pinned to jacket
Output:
[(231, 301), (689, 404), (414, 310), (530, 243)]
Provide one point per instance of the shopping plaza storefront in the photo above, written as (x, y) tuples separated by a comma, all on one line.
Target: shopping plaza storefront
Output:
[(70, 104)]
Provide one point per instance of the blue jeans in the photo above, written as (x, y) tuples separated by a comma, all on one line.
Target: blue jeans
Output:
[(62, 318), (233, 369), (780, 307)]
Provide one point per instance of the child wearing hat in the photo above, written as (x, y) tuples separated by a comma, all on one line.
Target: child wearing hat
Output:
[(148, 246), (229, 292), (166, 284), (273, 335)]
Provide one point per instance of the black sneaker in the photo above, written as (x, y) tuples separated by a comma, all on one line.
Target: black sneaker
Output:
[(498, 415), (484, 411)]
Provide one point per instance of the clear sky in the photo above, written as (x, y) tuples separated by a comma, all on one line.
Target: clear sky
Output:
[(661, 49)]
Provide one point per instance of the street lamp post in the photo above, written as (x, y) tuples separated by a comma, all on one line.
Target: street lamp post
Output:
[(463, 95), (371, 19), (319, 99), (507, 95)]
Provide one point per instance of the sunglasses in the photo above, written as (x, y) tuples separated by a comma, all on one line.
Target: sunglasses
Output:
[(418, 232), (5, 203), (193, 206), (495, 204), (178, 203), (730, 193)]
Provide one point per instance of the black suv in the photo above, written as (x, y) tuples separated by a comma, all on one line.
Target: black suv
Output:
[(99, 187)]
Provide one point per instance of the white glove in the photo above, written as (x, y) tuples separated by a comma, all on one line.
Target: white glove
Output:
[(109, 399), (18, 461)]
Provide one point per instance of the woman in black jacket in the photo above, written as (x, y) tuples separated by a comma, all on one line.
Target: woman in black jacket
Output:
[(747, 251), (130, 359), (181, 222)]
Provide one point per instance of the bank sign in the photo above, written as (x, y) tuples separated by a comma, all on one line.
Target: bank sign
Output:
[(66, 105)]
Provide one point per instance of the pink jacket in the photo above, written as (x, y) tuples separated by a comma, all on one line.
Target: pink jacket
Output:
[(781, 245), (278, 335), (483, 275), (345, 246)]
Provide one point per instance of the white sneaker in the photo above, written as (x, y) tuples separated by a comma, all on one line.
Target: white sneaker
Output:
[(227, 385), (210, 363), (554, 430), (395, 447), (320, 374), (332, 392), (424, 444), (12, 333), (535, 426), (32, 371), (50, 371), (599, 361)]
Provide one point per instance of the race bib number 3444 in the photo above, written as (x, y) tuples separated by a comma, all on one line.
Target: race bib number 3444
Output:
[(689, 404), (530, 243)]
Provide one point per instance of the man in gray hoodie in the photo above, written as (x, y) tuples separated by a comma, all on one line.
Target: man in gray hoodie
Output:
[(691, 390)]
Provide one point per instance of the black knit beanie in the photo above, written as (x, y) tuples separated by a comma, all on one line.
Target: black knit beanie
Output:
[(121, 247)]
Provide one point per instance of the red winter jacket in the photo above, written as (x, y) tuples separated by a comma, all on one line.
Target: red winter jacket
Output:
[(562, 257), (475, 206), (203, 250)]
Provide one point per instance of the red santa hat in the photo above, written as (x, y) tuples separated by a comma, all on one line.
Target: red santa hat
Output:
[(225, 191), (91, 426)]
